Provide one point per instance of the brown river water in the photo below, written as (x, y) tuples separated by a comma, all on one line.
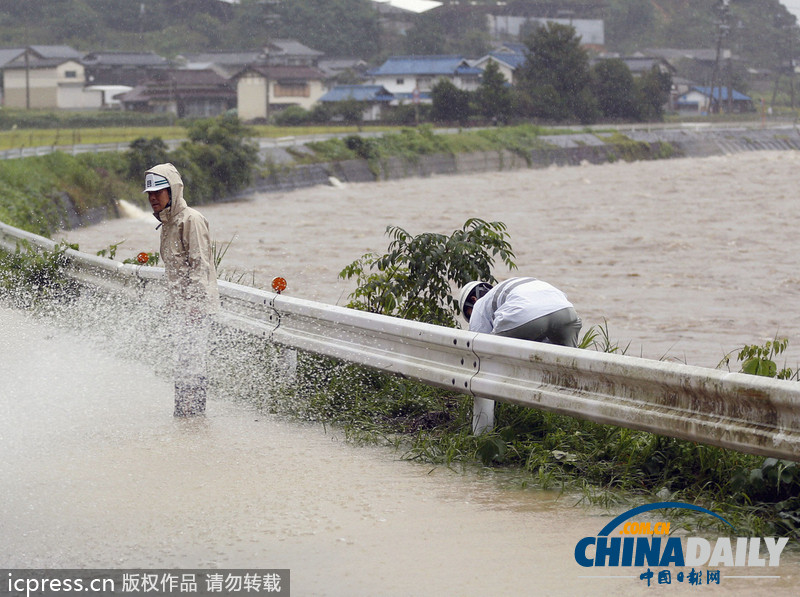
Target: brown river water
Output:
[(685, 259)]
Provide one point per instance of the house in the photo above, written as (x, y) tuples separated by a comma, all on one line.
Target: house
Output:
[(49, 77), (375, 98), (413, 77), (288, 52), (345, 71), (225, 63), (186, 93), (699, 100), (508, 57), (640, 65), (122, 68), (7, 55), (261, 90)]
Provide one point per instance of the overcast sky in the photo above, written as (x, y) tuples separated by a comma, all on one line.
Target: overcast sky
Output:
[(793, 6)]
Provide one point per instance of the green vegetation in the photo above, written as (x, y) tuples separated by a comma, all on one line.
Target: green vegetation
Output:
[(414, 278), (410, 143), (42, 194), (70, 123), (38, 194)]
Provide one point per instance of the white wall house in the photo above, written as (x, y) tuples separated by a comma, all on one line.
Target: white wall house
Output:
[(411, 78), (262, 90), (48, 84)]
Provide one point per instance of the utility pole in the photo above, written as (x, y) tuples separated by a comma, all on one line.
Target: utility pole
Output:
[(27, 79), (723, 8)]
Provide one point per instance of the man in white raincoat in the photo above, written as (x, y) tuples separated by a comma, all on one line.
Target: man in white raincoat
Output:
[(524, 308), (191, 284)]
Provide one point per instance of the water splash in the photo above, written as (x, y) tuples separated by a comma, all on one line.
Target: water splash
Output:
[(131, 211)]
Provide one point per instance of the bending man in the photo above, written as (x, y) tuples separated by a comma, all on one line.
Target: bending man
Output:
[(524, 308)]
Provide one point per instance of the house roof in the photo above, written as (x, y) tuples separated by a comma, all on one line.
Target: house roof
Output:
[(290, 47), (511, 47), (19, 63), (124, 59), (639, 64), (718, 92), (223, 57), (361, 93), (512, 60), (673, 54), (284, 73), (52, 52), (425, 65), (173, 83), (9, 54), (40, 56), (333, 66)]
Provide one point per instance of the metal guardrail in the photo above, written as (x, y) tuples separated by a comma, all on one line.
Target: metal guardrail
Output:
[(732, 410)]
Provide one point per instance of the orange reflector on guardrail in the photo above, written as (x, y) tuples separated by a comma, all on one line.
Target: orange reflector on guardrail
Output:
[(278, 284)]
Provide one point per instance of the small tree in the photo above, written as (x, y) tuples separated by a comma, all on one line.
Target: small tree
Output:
[(614, 89), (218, 160), (143, 154), (494, 94), (653, 93), (415, 279), (556, 71), (450, 104)]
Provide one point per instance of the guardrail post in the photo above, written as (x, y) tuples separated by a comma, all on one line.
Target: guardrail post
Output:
[(482, 415)]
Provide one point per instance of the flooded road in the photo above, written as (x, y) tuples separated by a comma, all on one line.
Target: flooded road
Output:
[(97, 474)]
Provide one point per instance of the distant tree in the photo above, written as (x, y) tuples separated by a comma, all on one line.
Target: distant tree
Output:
[(336, 27), (450, 104), (629, 24), (145, 153), (614, 89), (426, 37), (653, 90), (494, 95), (218, 159), (351, 111), (557, 72)]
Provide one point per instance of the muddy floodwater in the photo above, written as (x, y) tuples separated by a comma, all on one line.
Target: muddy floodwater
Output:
[(684, 259)]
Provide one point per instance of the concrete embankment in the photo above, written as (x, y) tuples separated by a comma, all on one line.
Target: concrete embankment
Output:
[(561, 150)]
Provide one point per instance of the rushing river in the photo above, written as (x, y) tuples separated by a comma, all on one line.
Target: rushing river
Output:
[(683, 258)]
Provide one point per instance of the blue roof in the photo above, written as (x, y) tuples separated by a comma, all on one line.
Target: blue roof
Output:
[(425, 65), (360, 93), (512, 60), (724, 91)]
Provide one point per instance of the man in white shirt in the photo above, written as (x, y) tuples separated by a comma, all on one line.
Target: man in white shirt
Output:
[(524, 308)]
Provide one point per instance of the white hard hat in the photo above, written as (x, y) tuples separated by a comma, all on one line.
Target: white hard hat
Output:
[(154, 182), (469, 292)]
